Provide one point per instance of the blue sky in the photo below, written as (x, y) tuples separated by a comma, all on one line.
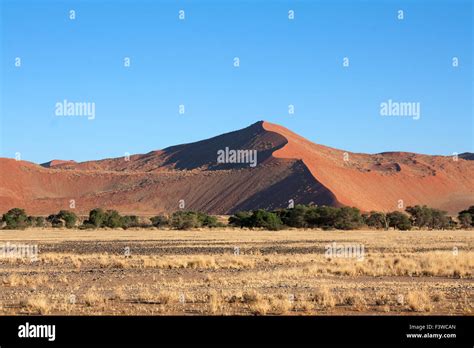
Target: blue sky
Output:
[(190, 62)]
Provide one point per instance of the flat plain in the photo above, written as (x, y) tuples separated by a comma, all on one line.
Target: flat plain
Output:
[(230, 271)]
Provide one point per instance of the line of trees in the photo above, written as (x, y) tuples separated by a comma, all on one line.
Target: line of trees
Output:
[(348, 218), (17, 218), (301, 216)]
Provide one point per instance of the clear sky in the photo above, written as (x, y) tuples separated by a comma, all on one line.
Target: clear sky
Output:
[(191, 62)]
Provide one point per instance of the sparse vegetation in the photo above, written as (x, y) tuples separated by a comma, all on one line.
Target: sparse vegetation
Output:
[(466, 217), (160, 221), (281, 272), (15, 218), (425, 217), (64, 218), (399, 220), (301, 216)]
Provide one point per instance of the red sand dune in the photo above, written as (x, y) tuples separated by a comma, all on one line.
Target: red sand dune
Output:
[(289, 167)]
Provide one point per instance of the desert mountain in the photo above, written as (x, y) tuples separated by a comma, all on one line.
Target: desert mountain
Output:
[(217, 176)]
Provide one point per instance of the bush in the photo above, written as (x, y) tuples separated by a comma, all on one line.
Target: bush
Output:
[(40, 221), (68, 217), (323, 216), (257, 218), (294, 217), (160, 221), (183, 220), (240, 219), (113, 219), (466, 217), (55, 221), (348, 218), (209, 220), (399, 220), (265, 219), (110, 218), (130, 221), (425, 217), (97, 218), (376, 220), (15, 218)]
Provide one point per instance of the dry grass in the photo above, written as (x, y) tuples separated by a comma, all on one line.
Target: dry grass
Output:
[(92, 298), (276, 273), (36, 304), (418, 301)]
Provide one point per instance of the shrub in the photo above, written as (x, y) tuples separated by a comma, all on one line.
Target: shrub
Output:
[(183, 220), (399, 220), (240, 219), (322, 216), (209, 220), (420, 215), (55, 221), (465, 219), (439, 220), (348, 218), (113, 219), (294, 217), (68, 217), (40, 221), (265, 219), (159, 221), (423, 216), (130, 221), (64, 218), (15, 219), (97, 217), (376, 220)]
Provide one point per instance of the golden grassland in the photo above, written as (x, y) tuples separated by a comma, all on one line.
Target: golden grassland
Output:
[(238, 272)]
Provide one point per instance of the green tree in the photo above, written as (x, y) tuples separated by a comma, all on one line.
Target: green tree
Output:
[(321, 216), (55, 221), (208, 220), (465, 219), (40, 221), (113, 219), (130, 221), (97, 217), (15, 218), (265, 219), (439, 220), (294, 217), (399, 220), (470, 212), (240, 219), (68, 217), (421, 216), (376, 220), (183, 220), (160, 221), (348, 218)]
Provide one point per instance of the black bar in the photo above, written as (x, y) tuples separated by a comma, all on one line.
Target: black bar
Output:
[(227, 331)]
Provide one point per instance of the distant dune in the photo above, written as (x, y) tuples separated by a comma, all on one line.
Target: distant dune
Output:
[(55, 163), (289, 167)]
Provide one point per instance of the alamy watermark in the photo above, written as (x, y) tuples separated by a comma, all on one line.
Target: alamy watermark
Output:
[(404, 109), (237, 156), (334, 250), (19, 251), (68, 108)]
